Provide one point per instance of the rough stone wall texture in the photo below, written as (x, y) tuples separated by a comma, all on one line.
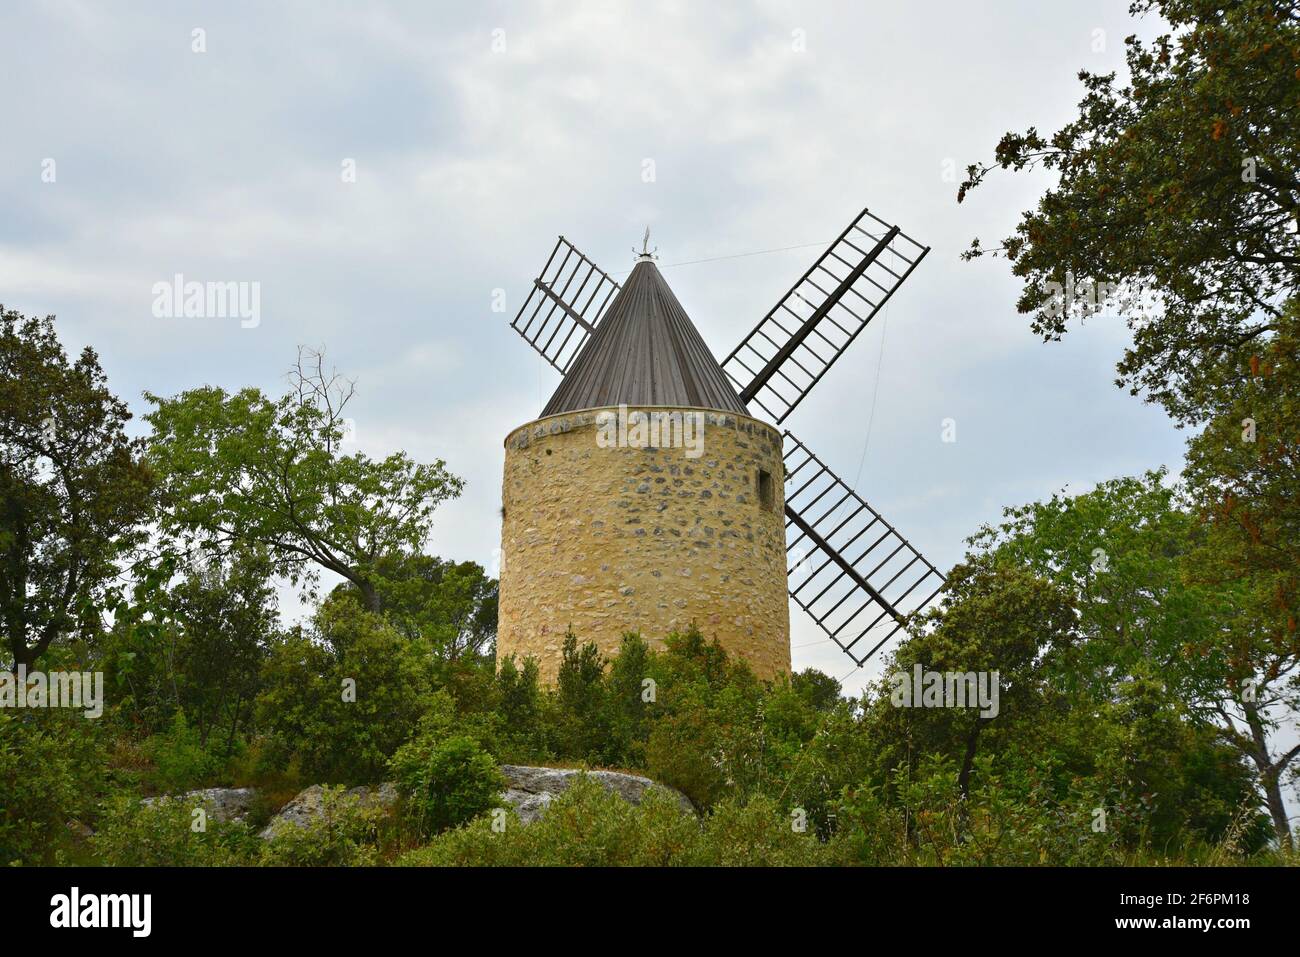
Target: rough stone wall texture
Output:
[(610, 540)]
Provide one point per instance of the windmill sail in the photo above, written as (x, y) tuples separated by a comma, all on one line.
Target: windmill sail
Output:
[(564, 305), (857, 577), (794, 345)]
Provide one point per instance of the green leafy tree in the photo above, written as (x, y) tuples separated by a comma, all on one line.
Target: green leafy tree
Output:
[(1183, 182), (627, 702), (453, 605), (227, 619), (1118, 552), (817, 688), (343, 697), (1164, 779), (580, 695), (138, 651), (244, 470), (996, 617), (1243, 477), (1159, 591), (519, 697), (74, 492)]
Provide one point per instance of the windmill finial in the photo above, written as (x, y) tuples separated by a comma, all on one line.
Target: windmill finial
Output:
[(646, 254)]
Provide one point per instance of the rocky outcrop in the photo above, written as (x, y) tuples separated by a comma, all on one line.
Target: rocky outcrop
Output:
[(531, 790), (528, 790), (222, 804), (310, 805)]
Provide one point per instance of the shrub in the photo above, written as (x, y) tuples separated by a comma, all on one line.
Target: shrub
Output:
[(446, 783), (267, 766), (756, 834), (678, 753), (1006, 821), (344, 740), (345, 834), (51, 770), (590, 827), (180, 761), (585, 826), (168, 833)]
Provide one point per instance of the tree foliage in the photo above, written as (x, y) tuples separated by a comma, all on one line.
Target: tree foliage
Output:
[(343, 696), (1181, 183), (74, 492), (244, 470)]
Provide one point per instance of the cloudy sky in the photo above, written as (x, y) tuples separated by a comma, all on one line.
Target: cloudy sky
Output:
[(479, 134)]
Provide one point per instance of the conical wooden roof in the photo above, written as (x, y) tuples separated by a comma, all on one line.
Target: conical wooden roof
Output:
[(645, 352)]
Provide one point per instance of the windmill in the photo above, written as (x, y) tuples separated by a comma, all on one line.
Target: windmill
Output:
[(847, 567)]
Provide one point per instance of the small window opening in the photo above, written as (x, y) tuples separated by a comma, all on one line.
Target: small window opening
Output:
[(766, 497)]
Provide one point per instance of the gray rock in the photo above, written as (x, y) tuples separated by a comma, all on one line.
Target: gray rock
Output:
[(527, 805), (222, 804), (309, 805), (531, 790)]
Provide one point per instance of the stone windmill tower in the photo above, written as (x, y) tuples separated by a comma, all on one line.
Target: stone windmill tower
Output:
[(646, 497)]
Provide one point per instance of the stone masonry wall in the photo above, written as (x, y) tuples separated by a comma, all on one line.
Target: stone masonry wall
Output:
[(609, 540)]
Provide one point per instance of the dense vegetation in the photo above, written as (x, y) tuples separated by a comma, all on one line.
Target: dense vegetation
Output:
[(1144, 632)]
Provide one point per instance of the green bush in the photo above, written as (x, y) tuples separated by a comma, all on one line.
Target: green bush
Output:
[(446, 783), (271, 769), (679, 753), (169, 833), (180, 761), (51, 772), (344, 699), (345, 834), (1008, 820), (585, 826), (756, 834), (588, 826)]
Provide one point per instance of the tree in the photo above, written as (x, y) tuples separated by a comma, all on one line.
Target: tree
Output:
[(580, 695), (246, 470), (627, 702), (227, 621), (518, 694), (1118, 552), (995, 617), (1161, 593), (453, 605), (817, 688), (343, 697), (1243, 476), (73, 489), (1181, 184)]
